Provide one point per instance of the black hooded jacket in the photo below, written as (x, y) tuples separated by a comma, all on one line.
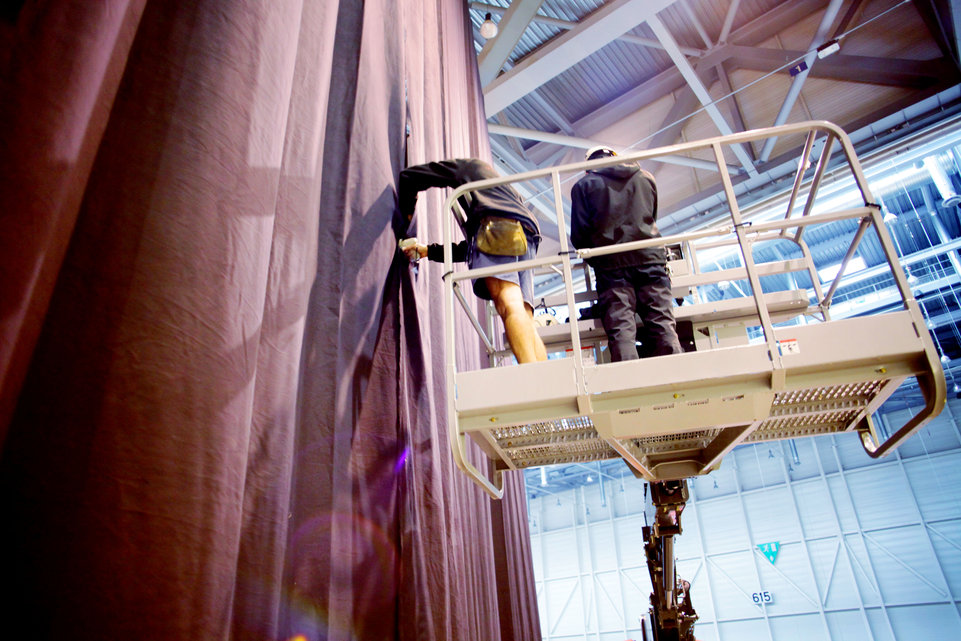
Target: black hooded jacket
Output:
[(502, 200), (615, 205)]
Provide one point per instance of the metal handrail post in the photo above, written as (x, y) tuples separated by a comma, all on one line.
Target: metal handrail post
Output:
[(883, 236), (747, 256), (568, 284), (848, 255), (799, 176), (816, 180), (458, 441)]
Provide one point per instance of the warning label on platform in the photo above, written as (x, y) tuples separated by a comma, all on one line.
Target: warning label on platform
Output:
[(788, 346)]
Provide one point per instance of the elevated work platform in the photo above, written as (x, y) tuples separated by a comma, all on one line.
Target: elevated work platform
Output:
[(764, 366)]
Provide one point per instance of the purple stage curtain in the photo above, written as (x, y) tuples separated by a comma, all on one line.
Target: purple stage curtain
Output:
[(222, 393)]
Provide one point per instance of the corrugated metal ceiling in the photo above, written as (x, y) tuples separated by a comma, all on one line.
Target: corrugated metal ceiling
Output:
[(630, 90)]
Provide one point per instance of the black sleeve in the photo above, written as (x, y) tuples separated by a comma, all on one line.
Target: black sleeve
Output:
[(435, 252), (650, 178), (580, 218), (417, 178)]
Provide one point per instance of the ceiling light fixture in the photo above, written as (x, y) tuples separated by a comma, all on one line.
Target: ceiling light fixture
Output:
[(488, 28), (829, 47)]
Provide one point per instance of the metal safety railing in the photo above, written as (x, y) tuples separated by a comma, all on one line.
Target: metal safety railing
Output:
[(738, 232)]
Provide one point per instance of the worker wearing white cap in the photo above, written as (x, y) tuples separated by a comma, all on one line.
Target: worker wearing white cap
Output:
[(613, 205)]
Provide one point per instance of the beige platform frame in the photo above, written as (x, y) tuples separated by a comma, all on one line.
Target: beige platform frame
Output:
[(673, 417)]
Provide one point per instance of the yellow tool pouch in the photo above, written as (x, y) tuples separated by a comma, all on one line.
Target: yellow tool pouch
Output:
[(501, 237)]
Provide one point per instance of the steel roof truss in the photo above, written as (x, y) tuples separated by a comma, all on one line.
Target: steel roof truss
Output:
[(595, 31)]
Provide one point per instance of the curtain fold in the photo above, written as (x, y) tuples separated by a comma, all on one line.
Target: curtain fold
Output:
[(62, 64), (223, 386)]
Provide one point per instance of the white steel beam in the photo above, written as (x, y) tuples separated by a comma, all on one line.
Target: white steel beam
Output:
[(509, 31), (799, 529), (566, 24), (735, 107), (728, 22), (590, 570), (695, 509), (755, 551), (547, 109), (685, 103), (621, 107), (512, 164), (670, 45), (673, 123), (872, 577), (696, 23), (795, 89), (514, 143), (919, 515), (757, 31), (595, 31)]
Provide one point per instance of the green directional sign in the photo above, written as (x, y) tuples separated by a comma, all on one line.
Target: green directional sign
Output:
[(770, 550)]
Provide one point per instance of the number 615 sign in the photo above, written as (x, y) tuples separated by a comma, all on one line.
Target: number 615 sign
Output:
[(762, 597)]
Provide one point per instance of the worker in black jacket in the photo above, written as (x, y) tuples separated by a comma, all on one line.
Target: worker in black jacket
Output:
[(499, 230), (613, 205)]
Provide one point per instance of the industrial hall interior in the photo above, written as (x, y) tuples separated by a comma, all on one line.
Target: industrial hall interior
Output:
[(517, 320)]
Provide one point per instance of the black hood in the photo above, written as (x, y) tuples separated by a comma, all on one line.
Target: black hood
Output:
[(617, 172)]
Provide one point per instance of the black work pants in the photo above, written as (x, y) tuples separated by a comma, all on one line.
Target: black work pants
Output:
[(644, 290)]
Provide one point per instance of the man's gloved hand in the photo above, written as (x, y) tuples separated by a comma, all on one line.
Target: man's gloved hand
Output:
[(412, 249)]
